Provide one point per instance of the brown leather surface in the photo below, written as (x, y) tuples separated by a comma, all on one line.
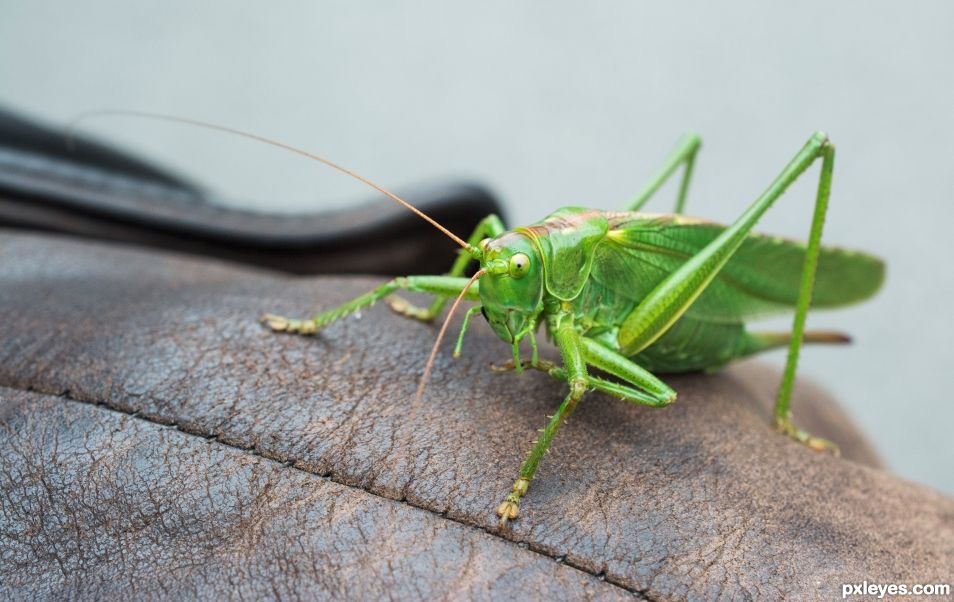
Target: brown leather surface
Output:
[(303, 466), (102, 505)]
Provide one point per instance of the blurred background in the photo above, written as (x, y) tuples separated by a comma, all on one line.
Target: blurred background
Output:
[(557, 103)]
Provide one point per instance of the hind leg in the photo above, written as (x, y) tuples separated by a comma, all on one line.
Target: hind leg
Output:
[(684, 153), (670, 299)]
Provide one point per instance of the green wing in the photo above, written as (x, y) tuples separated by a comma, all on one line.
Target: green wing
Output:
[(761, 279)]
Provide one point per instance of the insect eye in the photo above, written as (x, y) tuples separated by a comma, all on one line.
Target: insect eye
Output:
[(482, 245), (519, 265)]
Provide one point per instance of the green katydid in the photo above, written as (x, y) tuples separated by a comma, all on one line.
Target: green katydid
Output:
[(630, 293)]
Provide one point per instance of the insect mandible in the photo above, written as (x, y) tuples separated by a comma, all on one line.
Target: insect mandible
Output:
[(629, 293)]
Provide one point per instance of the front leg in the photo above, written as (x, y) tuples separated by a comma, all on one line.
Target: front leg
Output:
[(445, 286), (574, 366)]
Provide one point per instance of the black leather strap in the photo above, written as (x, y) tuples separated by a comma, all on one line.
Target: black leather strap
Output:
[(99, 192)]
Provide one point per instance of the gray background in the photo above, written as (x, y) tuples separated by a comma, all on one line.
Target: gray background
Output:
[(565, 103)]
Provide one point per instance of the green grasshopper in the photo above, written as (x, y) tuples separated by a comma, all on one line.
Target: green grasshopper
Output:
[(630, 293)]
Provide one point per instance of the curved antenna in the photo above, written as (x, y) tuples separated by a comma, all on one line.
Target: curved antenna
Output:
[(440, 336), (73, 125)]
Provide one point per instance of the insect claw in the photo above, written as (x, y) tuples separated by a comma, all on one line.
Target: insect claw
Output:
[(282, 324), (510, 507), (402, 306), (508, 510), (276, 323), (510, 366), (823, 445), (398, 304), (813, 443)]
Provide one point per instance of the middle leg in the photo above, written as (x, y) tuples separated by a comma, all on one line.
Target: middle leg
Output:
[(445, 286)]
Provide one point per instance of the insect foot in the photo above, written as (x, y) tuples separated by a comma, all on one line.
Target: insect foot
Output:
[(406, 308), (509, 366), (787, 427), (510, 507), (282, 324)]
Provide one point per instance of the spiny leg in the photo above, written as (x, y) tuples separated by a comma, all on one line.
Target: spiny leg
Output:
[(672, 297), (490, 226), (783, 414), (509, 509), (571, 350), (579, 352), (615, 389), (684, 153), (463, 328), (447, 286), (646, 388), (443, 287), (651, 391)]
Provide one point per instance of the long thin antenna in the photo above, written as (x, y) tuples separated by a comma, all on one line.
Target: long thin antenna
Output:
[(440, 336), (72, 126)]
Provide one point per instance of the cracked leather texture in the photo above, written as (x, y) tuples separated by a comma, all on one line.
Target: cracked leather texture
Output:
[(157, 442), (102, 505)]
